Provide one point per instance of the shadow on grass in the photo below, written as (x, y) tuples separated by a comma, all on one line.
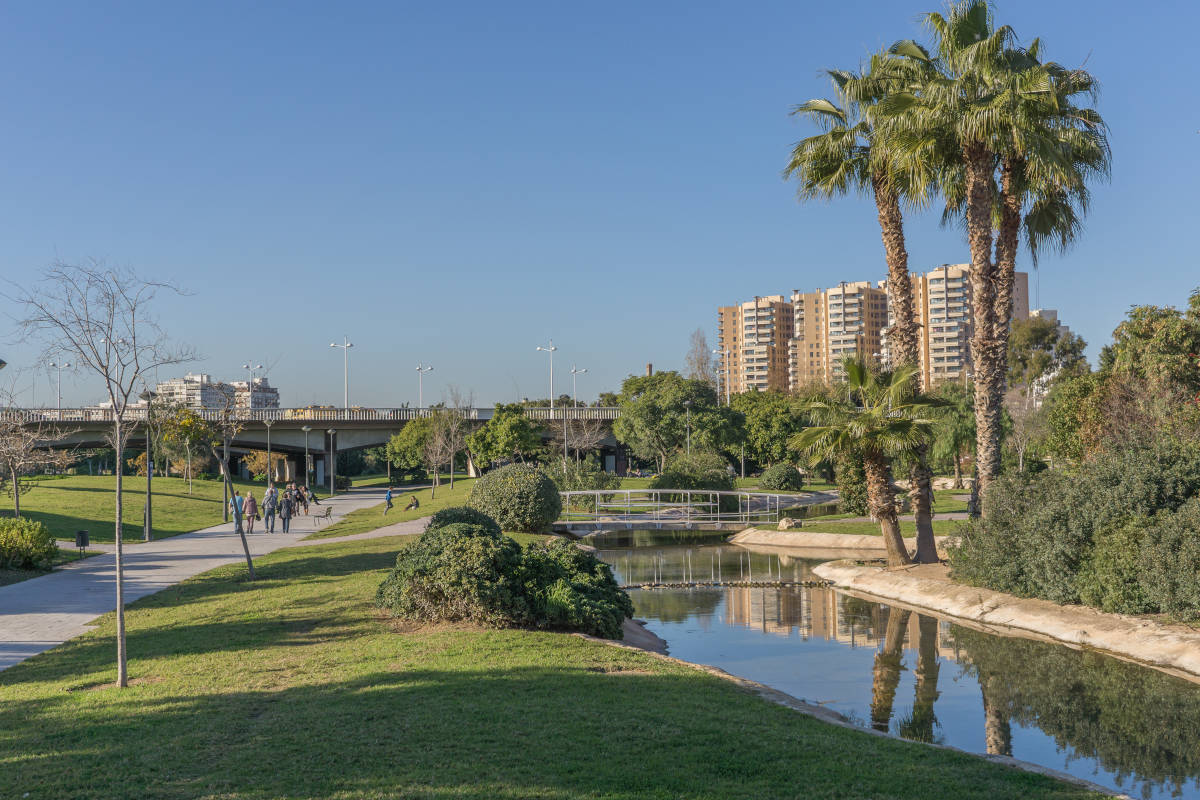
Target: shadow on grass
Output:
[(487, 731)]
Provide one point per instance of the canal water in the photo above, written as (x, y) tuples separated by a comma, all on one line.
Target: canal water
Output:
[(915, 676)]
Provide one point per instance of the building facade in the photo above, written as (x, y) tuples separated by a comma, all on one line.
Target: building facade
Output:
[(831, 324), (752, 344), (256, 394), (201, 391)]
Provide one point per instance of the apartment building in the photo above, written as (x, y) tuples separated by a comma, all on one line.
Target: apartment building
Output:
[(752, 344), (256, 394), (831, 324), (201, 391)]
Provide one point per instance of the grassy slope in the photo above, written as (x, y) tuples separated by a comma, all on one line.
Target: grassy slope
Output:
[(88, 502), (368, 519), (295, 687)]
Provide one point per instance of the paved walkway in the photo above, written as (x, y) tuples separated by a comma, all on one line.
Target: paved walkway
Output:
[(44, 612)]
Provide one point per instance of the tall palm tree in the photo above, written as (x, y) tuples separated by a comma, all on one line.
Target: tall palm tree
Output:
[(889, 663), (851, 155), (885, 420)]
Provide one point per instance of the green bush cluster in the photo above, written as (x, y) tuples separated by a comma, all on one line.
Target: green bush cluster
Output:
[(26, 544), (518, 497), (1122, 534), (471, 516), (781, 477), (575, 477), (471, 572), (697, 471), (851, 484)]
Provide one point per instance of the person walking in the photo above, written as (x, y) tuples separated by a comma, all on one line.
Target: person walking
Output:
[(287, 507), (251, 511), (387, 499), (235, 507), (270, 504), (302, 495)]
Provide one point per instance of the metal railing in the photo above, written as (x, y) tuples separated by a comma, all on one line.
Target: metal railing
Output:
[(655, 507), (311, 414)]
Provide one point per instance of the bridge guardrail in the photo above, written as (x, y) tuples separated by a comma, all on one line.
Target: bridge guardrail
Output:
[(656, 507), (402, 414)]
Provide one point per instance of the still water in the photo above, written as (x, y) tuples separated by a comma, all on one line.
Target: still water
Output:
[(915, 676)]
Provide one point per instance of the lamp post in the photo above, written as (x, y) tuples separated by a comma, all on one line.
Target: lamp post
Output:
[(270, 464), (345, 345), (725, 354), (421, 370), (148, 525), (332, 458), (687, 404), (574, 405), (250, 366), (550, 349), (60, 368), (306, 430)]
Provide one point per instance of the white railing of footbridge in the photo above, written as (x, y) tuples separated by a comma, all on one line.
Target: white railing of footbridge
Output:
[(138, 414), (694, 508)]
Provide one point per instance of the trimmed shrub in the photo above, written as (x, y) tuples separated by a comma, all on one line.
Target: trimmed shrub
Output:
[(458, 572), (1111, 580), (471, 516), (781, 478), (697, 472), (852, 485), (518, 497), (1171, 562), (570, 589), (26, 544)]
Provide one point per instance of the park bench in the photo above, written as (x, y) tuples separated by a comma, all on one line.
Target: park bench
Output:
[(325, 517)]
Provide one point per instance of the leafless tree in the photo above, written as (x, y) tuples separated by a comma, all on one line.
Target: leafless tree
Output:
[(1028, 424), (455, 425), (440, 445), (700, 365), (585, 435), (24, 451), (98, 317), (222, 431)]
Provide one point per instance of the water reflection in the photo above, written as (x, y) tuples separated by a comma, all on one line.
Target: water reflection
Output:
[(912, 675)]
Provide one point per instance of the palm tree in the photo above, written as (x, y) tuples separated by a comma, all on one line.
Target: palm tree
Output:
[(955, 429), (850, 154), (889, 663), (887, 420)]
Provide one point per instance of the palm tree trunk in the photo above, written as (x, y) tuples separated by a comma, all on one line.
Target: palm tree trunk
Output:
[(1006, 252), (997, 731), (882, 504), (122, 657), (921, 493), (888, 663), (923, 718), (958, 481), (980, 163)]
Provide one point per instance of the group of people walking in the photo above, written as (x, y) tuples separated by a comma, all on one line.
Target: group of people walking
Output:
[(291, 502)]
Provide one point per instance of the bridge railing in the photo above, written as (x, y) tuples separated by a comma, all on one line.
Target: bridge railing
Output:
[(694, 508), (136, 414)]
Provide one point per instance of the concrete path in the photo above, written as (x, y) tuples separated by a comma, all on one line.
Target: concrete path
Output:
[(44, 612)]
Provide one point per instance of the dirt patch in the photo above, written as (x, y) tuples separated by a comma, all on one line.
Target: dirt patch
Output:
[(616, 669)]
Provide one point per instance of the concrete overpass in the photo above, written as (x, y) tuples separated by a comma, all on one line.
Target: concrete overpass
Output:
[(329, 430)]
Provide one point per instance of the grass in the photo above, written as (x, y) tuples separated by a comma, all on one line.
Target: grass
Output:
[(87, 502), (65, 556), (941, 527), (294, 686), (370, 518)]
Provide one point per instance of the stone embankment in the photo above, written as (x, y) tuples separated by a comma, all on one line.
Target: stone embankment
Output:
[(1150, 642), (817, 540)]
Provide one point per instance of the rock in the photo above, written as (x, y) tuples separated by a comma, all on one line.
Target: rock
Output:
[(787, 523)]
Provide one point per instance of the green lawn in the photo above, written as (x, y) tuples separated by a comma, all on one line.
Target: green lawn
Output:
[(87, 502), (941, 527), (368, 519), (65, 556), (294, 686)]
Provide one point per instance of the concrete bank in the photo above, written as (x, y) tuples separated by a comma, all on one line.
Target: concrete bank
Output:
[(1171, 648), (815, 539)]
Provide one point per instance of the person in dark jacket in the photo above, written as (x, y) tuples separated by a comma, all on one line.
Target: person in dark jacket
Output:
[(269, 506), (287, 507)]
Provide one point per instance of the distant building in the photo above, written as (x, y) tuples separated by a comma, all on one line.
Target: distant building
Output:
[(201, 391), (752, 338), (831, 324), (260, 394)]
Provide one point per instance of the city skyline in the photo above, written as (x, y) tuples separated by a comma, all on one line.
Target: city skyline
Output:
[(301, 200)]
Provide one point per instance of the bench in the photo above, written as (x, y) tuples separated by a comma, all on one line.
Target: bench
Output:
[(326, 517)]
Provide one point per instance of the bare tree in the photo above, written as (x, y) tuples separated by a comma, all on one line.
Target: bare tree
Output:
[(440, 445), (700, 365), (455, 424), (586, 435), (1028, 424), (23, 451), (222, 431), (98, 317)]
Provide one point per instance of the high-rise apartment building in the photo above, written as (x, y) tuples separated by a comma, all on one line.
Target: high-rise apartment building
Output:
[(831, 324), (201, 391), (752, 344), (264, 395)]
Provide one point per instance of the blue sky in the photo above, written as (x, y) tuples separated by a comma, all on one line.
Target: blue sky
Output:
[(456, 183)]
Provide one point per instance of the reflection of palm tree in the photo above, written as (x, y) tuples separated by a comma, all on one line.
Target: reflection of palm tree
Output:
[(888, 663), (919, 726), (997, 732)]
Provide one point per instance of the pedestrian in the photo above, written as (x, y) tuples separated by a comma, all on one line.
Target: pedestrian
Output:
[(250, 509), (387, 499), (412, 504), (235, 507), (303, 496), (287, 506), (312, 496), (270, 504)]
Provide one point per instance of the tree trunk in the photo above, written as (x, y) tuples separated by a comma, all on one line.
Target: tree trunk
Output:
[(16, 493), (888, 664), (980, 164), (902, 335), (958, 481), (923, 718), (1006, 257), (122, 658), (882, 504), (921, 493), (997, 731), (224, 466)]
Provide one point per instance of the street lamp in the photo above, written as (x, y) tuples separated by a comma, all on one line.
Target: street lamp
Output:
[(251, 366), (60, 368), (346, 345), (725, 354), (575, 372), (147, 533), (687, 404), (550, 349), (332, 458), (270, 464), (306, 430), (574, 405), (421, 370)]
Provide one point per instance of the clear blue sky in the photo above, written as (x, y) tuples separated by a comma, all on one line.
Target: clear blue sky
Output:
[(458, 182)]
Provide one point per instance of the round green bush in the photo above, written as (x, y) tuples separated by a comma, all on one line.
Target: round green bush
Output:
[(1170, 562), (781, 478), (26, 544), (570, 589), (458, 572), (697, 472), (471, 516), (518, 497)]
